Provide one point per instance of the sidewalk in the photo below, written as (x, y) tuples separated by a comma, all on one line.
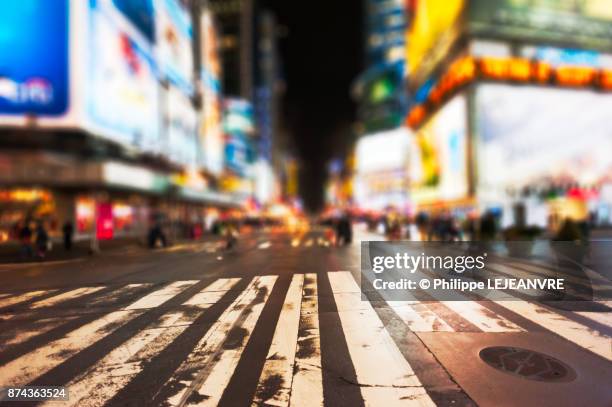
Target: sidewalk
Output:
[(10, 253)]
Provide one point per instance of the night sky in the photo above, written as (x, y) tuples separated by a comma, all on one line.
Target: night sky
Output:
[(322, 55)]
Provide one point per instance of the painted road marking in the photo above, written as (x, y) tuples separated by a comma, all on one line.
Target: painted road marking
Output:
[(24, 369), (43, 359), (581, 335), (371, 347), (213, 358), (307, 385), (162, 295), (16, 299), (101, 382), (418, 317), (278, 368), (70, 295)]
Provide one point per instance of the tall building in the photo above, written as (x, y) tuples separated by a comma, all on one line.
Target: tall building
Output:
[(381, 170), (380, 90), (510, 108), (98, 124), (236, 23), (272, 143)]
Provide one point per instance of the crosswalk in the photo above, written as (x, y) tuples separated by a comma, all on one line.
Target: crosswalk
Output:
[(189, 339)]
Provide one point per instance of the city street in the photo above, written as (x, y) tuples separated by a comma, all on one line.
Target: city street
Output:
[(279, 320), (292, 204)]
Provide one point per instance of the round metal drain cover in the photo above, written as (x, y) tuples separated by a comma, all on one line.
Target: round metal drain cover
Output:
[(527, 364)]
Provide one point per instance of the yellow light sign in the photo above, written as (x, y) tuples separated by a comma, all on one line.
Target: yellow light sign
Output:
[(25, 195), (433, 21), (575, 76)]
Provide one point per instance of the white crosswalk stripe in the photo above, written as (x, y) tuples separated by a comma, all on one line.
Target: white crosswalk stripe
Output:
[(22, 370), (307, 385), (10, 300), (581, 335), (235, 324), (481, 317), (70, 295), (418, 317), (546, 317), (476, 314), (292, 366), (97, 384), (294, 358), (370, 347), (18, 335), (281, 355), (160, 296), (34, 364)]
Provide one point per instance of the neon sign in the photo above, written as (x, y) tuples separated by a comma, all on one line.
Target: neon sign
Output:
[(467, 69)]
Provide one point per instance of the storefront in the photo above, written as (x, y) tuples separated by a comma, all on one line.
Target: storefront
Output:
[(103, 200)]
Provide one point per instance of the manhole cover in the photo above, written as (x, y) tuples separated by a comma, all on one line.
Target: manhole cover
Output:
[(527, 364)]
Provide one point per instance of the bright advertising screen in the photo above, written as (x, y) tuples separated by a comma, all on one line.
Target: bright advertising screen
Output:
[(211, 130), (123, 91), (238, 127), (433, 28), (173, 43), (382, 168), (438, 166), (181, 128), (34, 57), (538, 137), (382, 151)]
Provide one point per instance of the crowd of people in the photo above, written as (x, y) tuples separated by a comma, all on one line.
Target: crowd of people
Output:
[(445, 227), (34, 239)]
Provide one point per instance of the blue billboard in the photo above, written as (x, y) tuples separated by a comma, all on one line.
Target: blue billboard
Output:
[(238, 127), (34, 57)]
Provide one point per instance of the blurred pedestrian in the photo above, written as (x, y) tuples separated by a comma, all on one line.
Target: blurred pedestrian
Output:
[(488, 227), (231, 235), (344, 230), (156, 234), (68, 232), (422, 224), (394, 228), (42, 241), (25, 237)]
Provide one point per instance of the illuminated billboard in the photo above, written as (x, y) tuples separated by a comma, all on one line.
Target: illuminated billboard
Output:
[(537, 137), (586, 23), (386, 150), (122, 88), (173, 43), (182, 144), (210, 129), (438, 163), (435, 26), (34, 57), (238, 126), (382, 169)]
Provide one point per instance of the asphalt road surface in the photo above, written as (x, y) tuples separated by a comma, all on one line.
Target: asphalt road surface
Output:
[(279, 320)]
